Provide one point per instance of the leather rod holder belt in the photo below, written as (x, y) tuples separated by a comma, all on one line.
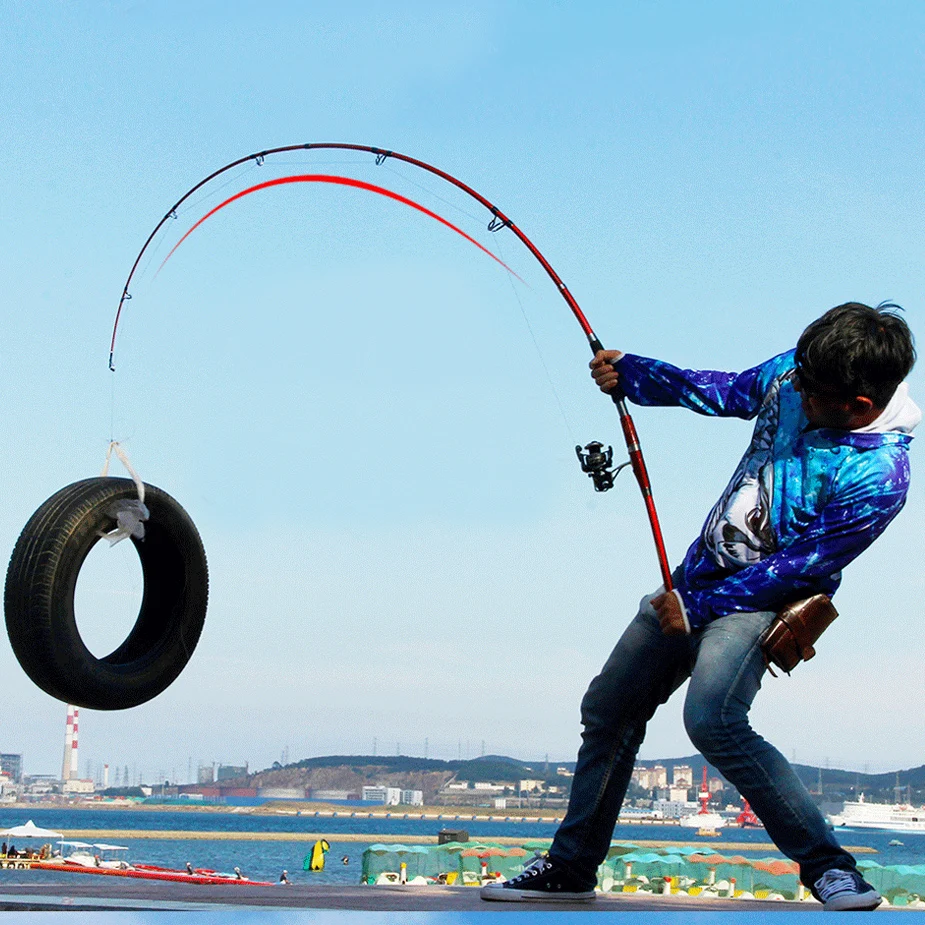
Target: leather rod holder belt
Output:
[(790, 638)]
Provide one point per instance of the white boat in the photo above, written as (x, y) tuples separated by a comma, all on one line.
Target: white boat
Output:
[(895, 817), (80, 857), (83, 854), (703, 818)]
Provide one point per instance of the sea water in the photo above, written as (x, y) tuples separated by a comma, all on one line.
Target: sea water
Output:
[(266, 859)]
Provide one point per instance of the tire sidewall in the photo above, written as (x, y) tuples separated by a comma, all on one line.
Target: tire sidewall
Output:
[(41, 585)]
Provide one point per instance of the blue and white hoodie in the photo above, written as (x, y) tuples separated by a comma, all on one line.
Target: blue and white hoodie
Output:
[(802, 503)]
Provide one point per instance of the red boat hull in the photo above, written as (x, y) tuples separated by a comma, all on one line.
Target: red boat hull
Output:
[(151, 872)]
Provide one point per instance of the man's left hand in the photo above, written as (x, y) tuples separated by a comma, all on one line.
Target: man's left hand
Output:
[(668, 608)]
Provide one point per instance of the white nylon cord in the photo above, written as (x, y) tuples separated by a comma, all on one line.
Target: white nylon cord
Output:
[(539, 352), (114, 447)]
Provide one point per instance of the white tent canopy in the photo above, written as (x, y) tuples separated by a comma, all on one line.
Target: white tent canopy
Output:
[(29, 830)]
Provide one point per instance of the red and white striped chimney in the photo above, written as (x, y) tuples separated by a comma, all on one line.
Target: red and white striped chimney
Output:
[(74, 772), (69, 767)]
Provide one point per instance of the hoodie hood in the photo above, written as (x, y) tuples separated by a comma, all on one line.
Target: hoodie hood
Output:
[(901, 415)]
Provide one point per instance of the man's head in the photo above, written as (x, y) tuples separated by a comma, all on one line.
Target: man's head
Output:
[(850, 361)]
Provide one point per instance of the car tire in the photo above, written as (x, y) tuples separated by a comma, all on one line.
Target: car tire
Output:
[(41, 581)]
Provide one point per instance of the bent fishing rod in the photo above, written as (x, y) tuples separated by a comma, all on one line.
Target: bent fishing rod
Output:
[(595, 461)]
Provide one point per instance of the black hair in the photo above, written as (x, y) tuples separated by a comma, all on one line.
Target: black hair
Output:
[(856, 350)]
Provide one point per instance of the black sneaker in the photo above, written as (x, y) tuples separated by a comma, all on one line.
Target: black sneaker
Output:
[(542, 881), (843, 890)]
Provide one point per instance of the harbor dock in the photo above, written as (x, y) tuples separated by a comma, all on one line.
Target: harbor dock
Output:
[(141, 895)]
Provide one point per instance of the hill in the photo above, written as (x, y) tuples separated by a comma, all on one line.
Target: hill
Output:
[(832, 783), (353, 772)]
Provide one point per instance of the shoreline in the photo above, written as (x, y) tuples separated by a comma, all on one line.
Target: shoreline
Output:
[(448, 815), (179, 834), (320, 808)]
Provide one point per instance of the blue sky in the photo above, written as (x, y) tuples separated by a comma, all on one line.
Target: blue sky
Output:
[(371, 426)]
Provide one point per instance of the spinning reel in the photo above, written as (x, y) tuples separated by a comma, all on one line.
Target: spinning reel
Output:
[(596, 461)]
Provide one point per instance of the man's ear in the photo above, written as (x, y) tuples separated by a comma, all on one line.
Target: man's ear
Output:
[(863, 411), (862, 405)]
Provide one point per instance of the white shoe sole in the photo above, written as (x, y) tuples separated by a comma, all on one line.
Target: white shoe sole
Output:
[(853, 902), (499, 893)]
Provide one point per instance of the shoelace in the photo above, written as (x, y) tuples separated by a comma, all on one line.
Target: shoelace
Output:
[(835, 881), (533, 869)]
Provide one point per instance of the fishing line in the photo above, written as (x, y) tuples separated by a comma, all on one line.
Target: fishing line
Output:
[(161, 240), (539, 353), (112, 408), (430, 192), (337, 181), (195, 204), (497, 222), (205, 197)]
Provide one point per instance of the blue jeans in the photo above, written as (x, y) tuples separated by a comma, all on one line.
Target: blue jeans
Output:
[(724, 663)]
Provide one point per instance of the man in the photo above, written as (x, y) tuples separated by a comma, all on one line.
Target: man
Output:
[(826, 471)]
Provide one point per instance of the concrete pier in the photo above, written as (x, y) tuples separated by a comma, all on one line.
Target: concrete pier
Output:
[(89, 894)]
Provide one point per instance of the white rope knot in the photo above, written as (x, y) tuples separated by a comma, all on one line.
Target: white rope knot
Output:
[(128, 514)]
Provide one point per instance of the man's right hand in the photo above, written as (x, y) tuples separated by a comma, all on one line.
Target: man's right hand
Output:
[(602, 370)]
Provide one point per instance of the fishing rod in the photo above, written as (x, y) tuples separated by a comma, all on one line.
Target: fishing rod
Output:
[(595, 461)]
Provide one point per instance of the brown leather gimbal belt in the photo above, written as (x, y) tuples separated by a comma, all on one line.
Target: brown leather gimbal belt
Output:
[(790, 637)]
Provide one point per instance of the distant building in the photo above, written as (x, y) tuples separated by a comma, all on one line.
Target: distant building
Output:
[(76, 785), (387, 796), (205, 774), (528, 786), (12, 764), (651, 778), (230, 772), (287, 793), (673, 809), (40, 784), (683, 776), (392, 796)]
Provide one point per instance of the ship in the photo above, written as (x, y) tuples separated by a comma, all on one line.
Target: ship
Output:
[(77, 857), (747, 818), (889, 817), (705, 821)]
